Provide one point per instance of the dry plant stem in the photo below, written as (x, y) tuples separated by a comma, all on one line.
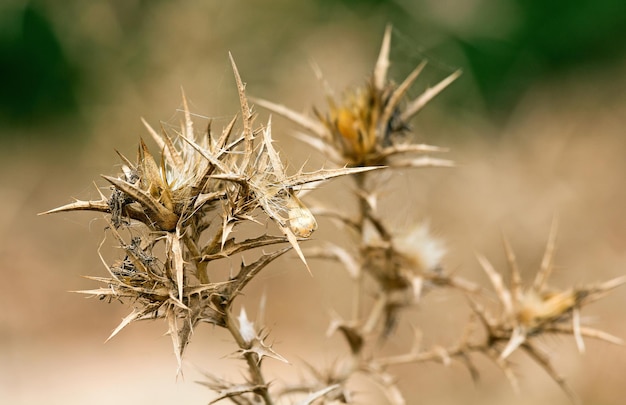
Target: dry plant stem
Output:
[(462, 353), (254, 364), (365, 210), (356, 298), (439, 354), (375, 315), (365, 214), (359, 179)]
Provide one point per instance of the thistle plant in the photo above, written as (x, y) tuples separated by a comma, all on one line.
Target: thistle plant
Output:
[(174, 219), (187, 205)]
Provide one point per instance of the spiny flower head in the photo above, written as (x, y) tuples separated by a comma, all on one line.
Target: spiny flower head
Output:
[(179, 212), (535, 310), (420, 247), (163, 193), (401, 260), (367, 126)]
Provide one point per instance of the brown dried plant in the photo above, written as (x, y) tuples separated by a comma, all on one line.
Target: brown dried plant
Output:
[(186, 205), (174, 216), (369, 125), (369, 128)]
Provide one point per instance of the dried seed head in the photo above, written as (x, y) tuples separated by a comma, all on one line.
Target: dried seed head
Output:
[(353, 124), (396, 263), (420, 247), (536, 308), (368, 125), (172, 203), (529, 313)]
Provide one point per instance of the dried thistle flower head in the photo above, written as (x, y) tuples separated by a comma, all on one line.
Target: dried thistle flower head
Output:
[(366, 127), (538, 310), (401, 265), (421, 248), (185, 206), (396, 260)]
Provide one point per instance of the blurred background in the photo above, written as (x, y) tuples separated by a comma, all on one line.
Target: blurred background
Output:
[(536, 124)]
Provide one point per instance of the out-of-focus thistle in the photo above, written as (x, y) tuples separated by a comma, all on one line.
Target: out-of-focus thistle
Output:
[(368, 126), (188, 202), (528, 313), (404, 266)]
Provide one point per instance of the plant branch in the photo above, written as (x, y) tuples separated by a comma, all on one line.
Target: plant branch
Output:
[(254, 363)]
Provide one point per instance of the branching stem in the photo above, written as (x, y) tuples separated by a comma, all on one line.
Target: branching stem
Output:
[(254, 364)]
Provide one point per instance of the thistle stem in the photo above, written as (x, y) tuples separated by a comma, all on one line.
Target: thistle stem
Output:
[(365, 214), (357, 301), (252, 359), (375, 315), (356, 298)]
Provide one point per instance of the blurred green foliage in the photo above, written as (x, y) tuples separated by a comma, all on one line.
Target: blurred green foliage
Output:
[(507, 45), (39, 83), (551, 38), (504, 46)]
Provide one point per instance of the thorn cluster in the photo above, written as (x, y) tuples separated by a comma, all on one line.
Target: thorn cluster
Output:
[(185, 205), (538, 310), (367, 127)]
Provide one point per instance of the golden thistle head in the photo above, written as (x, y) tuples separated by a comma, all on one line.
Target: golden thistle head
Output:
[(365, 127), (538, 310)]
